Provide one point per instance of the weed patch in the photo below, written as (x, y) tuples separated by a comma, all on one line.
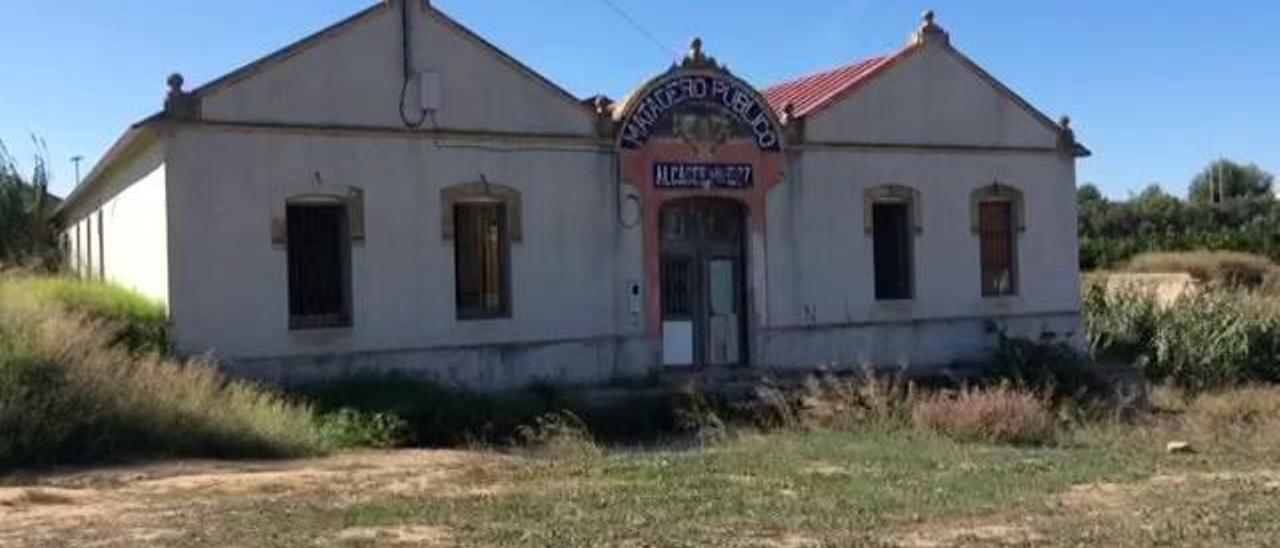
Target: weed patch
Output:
[(994, 415), (70, 393)]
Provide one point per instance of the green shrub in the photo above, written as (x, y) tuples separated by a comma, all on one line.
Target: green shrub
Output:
[(440, 416), (1121, 323), (1216, 337), (561, 435), (1052, 368), (348, 428)]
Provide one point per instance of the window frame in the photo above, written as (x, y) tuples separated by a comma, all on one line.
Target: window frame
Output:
[(894, 194), (907, 257), (345, 318), (484, 312), (512, 231), (1016, 217)]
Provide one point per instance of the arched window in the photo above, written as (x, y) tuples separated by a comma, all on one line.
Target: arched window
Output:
[(997, 215), (482, 219), (891, 217)]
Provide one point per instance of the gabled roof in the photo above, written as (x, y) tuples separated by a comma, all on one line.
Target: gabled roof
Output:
[(812, 93), (140, 128)]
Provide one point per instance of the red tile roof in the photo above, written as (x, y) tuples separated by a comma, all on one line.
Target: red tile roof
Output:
[(811, 93)]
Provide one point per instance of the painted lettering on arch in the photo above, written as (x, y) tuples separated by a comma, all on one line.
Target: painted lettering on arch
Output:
[(653, 112)]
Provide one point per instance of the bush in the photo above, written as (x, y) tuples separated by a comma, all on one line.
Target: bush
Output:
[(67, 396), (560, 435), (347, 428), (440, 416), (1121, 324), (1204, 340), (138, 323), (69, 393), (1001, 414), (1044, 367)]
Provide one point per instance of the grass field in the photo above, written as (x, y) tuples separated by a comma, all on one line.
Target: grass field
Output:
[(837, 462), (1104, 484)]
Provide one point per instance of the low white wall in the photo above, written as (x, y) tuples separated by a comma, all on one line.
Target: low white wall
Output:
[(131, 246)]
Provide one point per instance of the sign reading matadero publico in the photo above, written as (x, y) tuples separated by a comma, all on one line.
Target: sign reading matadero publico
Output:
[(705, 90)]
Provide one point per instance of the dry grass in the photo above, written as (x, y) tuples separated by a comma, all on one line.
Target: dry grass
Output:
[(997, 415), (69, 392), (805, 486), (1228, 267)]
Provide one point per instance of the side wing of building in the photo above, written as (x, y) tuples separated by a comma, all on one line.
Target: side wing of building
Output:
[(474, 240), (115, 226), (937, 136)]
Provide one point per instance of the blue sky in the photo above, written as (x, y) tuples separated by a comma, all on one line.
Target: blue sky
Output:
[(1156, 89)]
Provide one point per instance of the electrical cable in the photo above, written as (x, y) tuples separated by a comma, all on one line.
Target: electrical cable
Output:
[(407, 58), (644, 31)]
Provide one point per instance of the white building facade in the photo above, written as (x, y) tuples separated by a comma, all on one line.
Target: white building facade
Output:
[(396, 194)]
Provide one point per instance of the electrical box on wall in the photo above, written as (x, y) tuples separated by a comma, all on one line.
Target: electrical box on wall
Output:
[(429, 88), (633, 300)]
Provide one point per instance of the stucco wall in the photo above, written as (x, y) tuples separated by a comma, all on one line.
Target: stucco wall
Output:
[(131, 246), (355, 78), (930, 97), (230, 287), (820, 259)]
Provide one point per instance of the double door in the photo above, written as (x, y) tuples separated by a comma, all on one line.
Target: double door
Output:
[(702, 283)]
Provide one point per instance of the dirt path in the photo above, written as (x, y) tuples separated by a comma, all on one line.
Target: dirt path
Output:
[(148, 504)]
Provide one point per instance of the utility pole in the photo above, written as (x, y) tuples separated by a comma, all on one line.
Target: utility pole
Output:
[(76, 161), (1222, 190)]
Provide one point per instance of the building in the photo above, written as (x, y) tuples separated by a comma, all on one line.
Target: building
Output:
[(395, 193)]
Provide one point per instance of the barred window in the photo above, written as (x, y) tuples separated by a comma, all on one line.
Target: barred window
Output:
[(319, 257), (996, 237), (481, 245)]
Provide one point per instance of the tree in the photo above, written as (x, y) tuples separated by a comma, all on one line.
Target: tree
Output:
[(1088, 193), (1225, 180), (26, 208)]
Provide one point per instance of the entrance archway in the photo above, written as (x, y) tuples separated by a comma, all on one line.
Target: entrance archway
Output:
[(702, 274)]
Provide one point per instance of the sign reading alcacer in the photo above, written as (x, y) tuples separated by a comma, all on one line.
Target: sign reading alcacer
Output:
[(703, 90)]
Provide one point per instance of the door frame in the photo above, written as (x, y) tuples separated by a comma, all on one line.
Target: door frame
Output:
[(699, 251)]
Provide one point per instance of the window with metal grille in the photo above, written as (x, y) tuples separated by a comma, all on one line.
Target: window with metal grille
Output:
[(677, 299), (891, 243), (996, 234), (319, 266), (481, 246)]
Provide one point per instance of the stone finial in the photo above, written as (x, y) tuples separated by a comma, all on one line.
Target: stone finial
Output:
[(179, 104), (1066, 135), (696, 58), (602, 105), (175, 82), (929, 31)]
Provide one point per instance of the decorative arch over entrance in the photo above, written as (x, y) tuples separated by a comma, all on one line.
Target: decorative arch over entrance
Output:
[(698, 142)]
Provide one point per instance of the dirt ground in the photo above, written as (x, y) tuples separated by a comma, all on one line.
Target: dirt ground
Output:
[(169, 504), (148, 504)]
